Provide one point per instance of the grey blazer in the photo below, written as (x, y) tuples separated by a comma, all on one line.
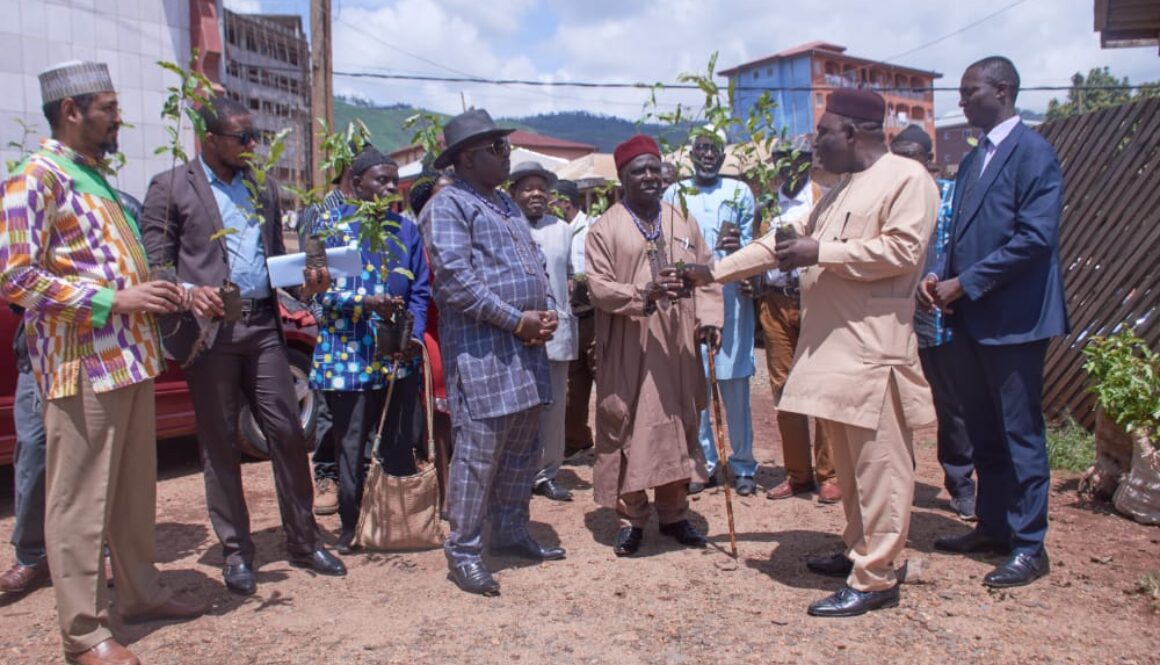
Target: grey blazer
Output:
[(178, 219)]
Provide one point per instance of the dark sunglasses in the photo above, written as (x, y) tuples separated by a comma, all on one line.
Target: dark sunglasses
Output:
[(500, 147), (244, 138)]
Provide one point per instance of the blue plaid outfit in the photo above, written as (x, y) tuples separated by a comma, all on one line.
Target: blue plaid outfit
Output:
[(486, 270)]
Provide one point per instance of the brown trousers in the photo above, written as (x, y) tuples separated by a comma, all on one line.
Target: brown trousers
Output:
[(581, 375), (101, 486), (672, 504), (876, 472), (248, 360), (780, 317)]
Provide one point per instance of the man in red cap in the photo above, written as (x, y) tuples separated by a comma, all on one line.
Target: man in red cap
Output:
[(648, 327), (856, 369)]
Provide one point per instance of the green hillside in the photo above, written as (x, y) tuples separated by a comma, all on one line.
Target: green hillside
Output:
[(386, 125)]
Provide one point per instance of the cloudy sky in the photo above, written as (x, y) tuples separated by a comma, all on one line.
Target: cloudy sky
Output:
[(648, 41)]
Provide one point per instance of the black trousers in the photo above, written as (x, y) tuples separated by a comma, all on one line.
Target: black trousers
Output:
[(248, 361), (355, 421), (954, 445)]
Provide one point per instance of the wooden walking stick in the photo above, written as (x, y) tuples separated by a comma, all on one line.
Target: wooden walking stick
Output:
[(722, 459)]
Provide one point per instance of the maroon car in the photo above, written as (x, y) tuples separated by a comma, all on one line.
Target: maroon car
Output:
[(175, 416), (174, 411)]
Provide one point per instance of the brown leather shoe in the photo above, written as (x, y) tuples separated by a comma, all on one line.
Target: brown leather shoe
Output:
[(325, 496), (170, 610), (22, 579), (109, 652), (786, 489), (829, 493)]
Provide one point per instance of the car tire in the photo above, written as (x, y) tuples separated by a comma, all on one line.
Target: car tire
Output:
[(251, 441)]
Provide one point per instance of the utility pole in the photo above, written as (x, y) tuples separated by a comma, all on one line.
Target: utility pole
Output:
[(321, 85)]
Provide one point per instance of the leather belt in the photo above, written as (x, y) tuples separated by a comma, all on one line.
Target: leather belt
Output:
[(257, 304)]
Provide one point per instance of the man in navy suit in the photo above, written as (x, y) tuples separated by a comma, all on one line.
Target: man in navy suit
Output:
[(1001, 285)]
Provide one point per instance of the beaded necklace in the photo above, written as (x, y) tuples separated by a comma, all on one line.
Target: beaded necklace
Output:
[(650, 236), (507, 207)]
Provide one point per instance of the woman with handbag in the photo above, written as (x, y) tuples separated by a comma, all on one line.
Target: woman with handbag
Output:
[(368, 336)]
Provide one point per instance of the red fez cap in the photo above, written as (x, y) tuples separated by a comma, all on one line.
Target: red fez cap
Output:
[(857, 104), (633, 148)]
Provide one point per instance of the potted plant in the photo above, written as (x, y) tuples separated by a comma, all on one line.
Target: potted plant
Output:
[(1127, 388), (192, 90)]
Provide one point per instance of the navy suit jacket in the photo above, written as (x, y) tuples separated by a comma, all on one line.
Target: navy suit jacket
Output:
[(1005, 244)]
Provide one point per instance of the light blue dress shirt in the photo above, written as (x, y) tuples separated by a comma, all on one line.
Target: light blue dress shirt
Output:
[(727, 200), (247, 255)]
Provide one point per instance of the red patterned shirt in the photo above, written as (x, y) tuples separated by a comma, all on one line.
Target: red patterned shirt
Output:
[(66, 246)]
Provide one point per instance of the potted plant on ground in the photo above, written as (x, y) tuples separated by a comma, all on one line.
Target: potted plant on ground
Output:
[(1127, 388)]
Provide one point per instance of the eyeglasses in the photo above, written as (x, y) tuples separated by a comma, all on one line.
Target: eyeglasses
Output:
[(500, 147), (244, 138)]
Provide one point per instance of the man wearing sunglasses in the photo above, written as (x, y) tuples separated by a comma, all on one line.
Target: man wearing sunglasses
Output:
[(495, 314), (186, 212)]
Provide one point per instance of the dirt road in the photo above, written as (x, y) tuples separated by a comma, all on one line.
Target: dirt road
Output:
[(670, 605)]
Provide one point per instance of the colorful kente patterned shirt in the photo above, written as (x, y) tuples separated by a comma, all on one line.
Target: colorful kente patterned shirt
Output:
[(344, 354), (66, 246)]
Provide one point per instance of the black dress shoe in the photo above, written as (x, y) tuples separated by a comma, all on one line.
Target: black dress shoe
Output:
[(320, 561), (969, 543), (527, 548), (1020, 569), (347, 544), (628, 540), (684, 533), (847, 602), (473, 577), (697, 488), (553, 490), (835, 565), (240, 579)]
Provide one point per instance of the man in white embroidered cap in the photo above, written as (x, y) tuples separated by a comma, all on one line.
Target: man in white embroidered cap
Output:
[(72, 257)]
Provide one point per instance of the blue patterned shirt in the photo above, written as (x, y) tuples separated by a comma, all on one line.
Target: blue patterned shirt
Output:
[(344, 353), (931, 327)]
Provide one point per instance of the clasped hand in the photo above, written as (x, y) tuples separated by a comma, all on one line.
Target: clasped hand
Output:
[(537, 327), (933, 293), (796, 252)]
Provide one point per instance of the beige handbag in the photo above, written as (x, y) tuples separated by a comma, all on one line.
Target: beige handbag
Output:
[(402, 512)]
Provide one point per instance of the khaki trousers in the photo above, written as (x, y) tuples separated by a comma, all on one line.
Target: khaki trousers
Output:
[(780, 317), (876, 472), (672, 504), (101, 485)]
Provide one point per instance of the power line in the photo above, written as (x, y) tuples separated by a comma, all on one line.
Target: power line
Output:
[(686, 86)]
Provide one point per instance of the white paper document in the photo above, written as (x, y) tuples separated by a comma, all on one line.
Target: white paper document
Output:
[(286, 270)]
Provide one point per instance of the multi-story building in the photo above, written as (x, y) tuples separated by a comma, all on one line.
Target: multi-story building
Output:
[(267, 69), (129, 37), (800, 79)]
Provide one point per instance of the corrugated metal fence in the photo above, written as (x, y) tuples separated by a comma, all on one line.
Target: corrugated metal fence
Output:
[(1109, 239)]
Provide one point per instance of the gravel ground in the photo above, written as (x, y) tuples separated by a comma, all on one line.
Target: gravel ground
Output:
[(669, 605)]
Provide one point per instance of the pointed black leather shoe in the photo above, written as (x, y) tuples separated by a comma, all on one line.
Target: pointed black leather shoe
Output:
[(628, 540), (1019, 570), (240, 579), (552, 490), (320, 561), (835, 565), (847, 602), (969, 543), (473, 577), (684, 533), (528, 548)]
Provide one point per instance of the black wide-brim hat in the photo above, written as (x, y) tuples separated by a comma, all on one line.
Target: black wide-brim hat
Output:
[(465, 128), (525, 169)]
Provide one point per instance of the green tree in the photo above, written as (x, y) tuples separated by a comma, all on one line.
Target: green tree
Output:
[(1100, 89)]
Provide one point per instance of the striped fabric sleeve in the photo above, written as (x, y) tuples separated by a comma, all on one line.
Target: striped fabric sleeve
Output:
[(29, 206)]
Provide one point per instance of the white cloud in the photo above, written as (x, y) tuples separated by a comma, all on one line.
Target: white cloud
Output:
[(243, 6), (649, 41)]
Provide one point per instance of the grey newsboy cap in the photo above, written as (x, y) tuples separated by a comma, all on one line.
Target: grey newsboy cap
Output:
[(73, 78)]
